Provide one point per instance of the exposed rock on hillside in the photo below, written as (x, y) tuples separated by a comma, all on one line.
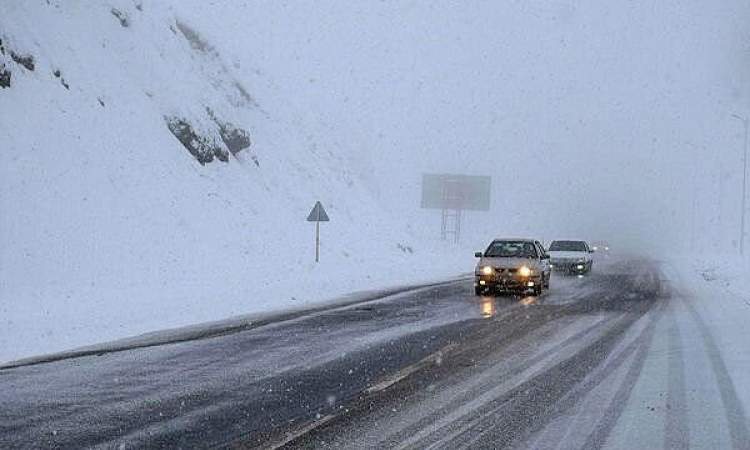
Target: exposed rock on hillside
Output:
[(194, 39), (26, 61), (4, 77), (202, 148), (236, 139), (121, 16), (58, 75)]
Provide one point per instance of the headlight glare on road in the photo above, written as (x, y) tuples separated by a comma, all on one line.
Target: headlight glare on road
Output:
[(524, 271), (487, 270)]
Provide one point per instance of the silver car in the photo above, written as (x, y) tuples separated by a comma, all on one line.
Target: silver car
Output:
[(572, 256), (518, 265)]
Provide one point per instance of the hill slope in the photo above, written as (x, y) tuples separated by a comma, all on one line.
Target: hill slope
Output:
[(146, 184)]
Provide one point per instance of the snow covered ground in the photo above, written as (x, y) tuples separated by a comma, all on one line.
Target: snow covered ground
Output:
[(111, 227), (709, 314)]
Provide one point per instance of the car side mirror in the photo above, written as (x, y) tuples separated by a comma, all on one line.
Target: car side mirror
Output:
[(477, 254)]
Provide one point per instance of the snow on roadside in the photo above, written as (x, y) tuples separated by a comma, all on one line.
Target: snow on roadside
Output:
[(719, 290), (730, 273), (112, 227)]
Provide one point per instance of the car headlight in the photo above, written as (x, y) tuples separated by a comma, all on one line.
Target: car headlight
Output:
[(525, 271), (487, 270)]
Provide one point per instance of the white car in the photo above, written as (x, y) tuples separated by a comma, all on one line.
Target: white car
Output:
[(571, 256), (601, 247)]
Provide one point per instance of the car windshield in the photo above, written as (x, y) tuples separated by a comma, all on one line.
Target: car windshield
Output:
[(510, 249), (568, 246)]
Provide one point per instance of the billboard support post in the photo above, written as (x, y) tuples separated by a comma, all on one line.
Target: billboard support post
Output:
[(454, 194)]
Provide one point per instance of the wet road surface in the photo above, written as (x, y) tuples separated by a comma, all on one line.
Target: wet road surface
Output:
[(430, 368)]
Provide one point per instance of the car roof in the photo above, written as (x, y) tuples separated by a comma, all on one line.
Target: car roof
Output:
[(515, 239), (569, 240)]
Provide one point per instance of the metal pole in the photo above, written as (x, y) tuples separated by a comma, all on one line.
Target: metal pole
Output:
[(317, 241), (458, 226), (444, 224), (744, 191), (746, 122)]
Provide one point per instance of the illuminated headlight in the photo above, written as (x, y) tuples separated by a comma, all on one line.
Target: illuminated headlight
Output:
[(524, 271), (487, 270), (606, 248), (579, 267)]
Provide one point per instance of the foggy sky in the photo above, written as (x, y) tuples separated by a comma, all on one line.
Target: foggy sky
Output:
[(606, 120)]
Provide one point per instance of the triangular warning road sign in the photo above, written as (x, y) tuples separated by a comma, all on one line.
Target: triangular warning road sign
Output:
[(318, 214)]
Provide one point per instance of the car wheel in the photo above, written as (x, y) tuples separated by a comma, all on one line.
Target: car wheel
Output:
[(539, 287), (478, 290)]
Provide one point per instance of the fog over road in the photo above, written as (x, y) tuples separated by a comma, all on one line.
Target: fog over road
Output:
[(584, 365)]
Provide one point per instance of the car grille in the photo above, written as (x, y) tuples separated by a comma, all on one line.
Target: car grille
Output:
[(504, 270), (564, 261)]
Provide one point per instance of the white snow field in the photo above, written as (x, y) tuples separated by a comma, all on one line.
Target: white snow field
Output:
[(110, 227)]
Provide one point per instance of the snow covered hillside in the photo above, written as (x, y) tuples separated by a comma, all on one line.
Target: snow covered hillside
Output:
[(148, 182)]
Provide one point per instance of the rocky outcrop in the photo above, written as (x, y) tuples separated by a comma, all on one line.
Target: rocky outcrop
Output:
[(203, 149), (4, 77), (121, 16), (58, 75), (27, 61), (236, 139)]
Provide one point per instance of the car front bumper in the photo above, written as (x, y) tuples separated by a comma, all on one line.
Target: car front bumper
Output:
[(506, 282), (569, 267)]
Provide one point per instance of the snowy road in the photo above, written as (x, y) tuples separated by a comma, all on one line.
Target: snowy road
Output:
[(624, 357)]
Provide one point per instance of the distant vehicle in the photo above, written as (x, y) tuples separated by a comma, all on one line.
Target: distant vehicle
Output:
[(600, 247), (518, 265), (571, 256)]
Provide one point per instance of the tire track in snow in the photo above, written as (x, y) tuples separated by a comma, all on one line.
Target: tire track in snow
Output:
[(676, 432), (523, 403), (735, 413), (639, 347)]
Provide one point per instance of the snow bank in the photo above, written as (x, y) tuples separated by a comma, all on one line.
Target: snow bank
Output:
[(729, 273), (719, 290), (146, 183)]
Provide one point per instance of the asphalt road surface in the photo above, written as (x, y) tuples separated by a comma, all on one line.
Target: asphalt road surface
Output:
[(437, 367)]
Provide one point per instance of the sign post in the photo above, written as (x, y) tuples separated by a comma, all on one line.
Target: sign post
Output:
[(317, 215)]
